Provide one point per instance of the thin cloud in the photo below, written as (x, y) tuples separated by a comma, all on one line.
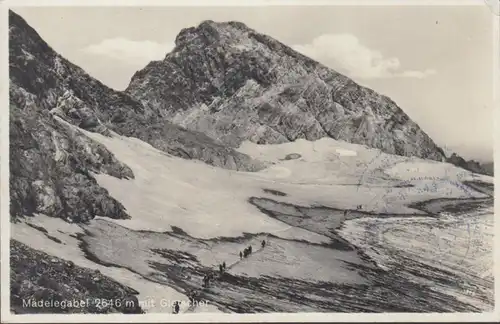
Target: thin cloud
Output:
[(345, 53), (130, 51), (418, 74)]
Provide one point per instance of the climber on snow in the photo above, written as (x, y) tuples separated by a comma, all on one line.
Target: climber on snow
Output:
[(206, 281), (176, 307)]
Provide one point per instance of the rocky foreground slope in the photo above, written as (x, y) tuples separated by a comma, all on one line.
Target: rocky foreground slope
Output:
[(234, 84), (37, 276)]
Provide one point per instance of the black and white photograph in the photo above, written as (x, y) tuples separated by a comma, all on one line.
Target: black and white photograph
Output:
[(219, 161)]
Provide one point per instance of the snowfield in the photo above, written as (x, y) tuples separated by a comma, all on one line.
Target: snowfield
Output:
[(188, 217), (208, 202)]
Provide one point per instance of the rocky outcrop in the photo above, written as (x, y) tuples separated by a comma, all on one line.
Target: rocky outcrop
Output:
[(52, 161), (234, 84), (51, 169), (41, 283), (471, 165)]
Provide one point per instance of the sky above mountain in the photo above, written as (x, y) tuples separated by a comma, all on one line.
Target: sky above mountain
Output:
[(435, 62)]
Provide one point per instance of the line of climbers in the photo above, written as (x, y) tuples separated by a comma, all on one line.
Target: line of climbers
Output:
[(247, 251), (222, 267), (207, 278)]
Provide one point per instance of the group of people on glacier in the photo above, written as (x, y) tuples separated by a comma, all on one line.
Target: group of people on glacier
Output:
[(211, 276)]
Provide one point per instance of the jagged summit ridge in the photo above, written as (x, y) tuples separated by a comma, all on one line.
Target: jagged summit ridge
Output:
[(209, 31), (232, 83)]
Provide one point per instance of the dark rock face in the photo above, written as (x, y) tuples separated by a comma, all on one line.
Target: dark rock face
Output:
[(44, 80), (51, 167), (51, 162), (37, 277), (188, 144), (234, 84)]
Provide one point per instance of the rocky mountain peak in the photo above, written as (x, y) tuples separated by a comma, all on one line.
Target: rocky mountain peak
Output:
[(232, 83)]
